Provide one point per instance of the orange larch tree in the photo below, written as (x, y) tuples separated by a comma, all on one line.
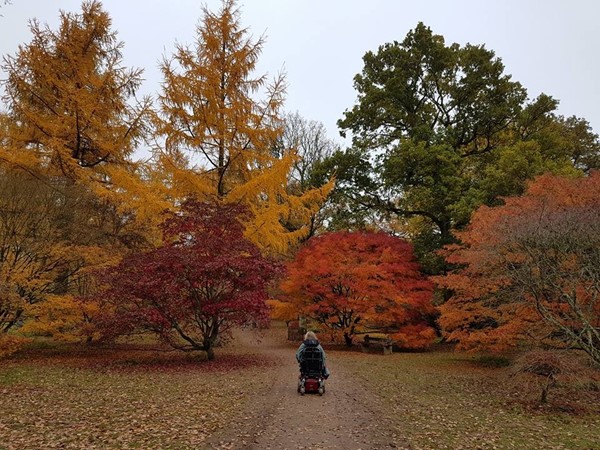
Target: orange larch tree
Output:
[(218, 127), (529, 270), (74, 198), (71, 113), (70, 105), (359, 282)]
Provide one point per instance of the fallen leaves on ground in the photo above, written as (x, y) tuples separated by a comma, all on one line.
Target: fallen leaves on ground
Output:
[(127, 396), (109, 399), (441, 400)]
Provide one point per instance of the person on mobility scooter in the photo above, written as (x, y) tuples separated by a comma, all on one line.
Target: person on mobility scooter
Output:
[(313, 371)]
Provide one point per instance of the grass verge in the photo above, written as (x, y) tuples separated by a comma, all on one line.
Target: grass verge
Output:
[(441, 400)]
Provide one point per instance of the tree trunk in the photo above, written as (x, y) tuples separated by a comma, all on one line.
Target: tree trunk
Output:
[(550, 382), (348, 339), (544, 398), (210, 353)]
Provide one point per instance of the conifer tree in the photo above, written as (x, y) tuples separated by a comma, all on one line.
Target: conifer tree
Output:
[(219, 138), (71, 196), (69, 107)]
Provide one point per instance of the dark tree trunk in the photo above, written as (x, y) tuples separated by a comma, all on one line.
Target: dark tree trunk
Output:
[(210, 353), (348, 339)]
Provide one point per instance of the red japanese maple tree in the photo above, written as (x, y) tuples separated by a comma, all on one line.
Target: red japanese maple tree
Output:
[(529, 270), (360, 281), (205, 279)]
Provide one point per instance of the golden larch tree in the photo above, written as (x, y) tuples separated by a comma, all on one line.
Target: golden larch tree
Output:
[(72, 197), (71, 108), (219, 137)]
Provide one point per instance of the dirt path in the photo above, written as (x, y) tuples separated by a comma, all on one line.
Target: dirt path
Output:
[(345, 417)]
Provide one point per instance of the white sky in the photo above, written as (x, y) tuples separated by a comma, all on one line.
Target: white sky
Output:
[(550, 46)]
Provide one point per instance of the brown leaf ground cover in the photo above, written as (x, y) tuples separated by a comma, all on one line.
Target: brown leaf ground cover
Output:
[(444, 400), (121, 398), (141, 396)]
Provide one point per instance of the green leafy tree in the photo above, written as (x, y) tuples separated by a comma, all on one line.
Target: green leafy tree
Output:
[(438, 130)]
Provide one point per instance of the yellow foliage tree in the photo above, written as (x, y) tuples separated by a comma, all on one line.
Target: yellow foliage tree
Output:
[(219, 138), (74, 198), (53, 235), (69, 109), (63, 317)]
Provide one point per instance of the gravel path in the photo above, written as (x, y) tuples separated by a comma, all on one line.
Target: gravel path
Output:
[(345, 417)]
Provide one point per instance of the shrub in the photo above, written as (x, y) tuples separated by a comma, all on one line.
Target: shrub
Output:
[(10, 344)]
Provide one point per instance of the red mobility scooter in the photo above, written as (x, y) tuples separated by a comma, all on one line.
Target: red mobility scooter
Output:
[(312, 368)]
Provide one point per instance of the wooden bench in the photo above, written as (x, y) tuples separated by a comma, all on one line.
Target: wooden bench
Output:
[(295, 331), (376, 345)]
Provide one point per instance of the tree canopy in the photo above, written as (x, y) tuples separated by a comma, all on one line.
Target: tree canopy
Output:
[(438, 130), (529, 270), (219, 135), (359, 282), (69, 103), (205, 279)]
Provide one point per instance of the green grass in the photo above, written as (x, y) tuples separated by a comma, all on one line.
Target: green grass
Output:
[(442, 401)]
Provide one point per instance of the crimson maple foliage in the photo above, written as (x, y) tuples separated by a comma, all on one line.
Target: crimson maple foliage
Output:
[(205, 279), (530, 270), (356, 282)]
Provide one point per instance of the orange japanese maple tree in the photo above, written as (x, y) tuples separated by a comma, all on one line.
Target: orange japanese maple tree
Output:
[(530, 270), (360, 281), (205, 279)]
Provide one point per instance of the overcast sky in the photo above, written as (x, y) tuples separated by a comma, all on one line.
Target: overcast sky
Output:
[(550, 46)]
